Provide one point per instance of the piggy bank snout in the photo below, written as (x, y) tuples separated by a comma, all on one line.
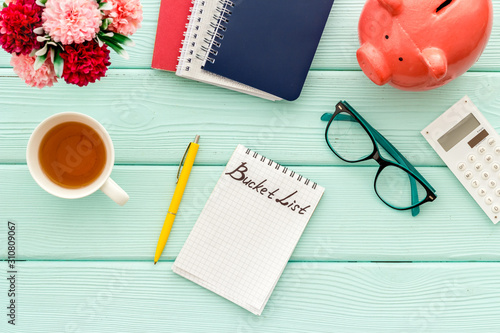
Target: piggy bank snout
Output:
[(374, 64)]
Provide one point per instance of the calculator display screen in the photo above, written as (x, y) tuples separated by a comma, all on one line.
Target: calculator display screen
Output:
[(458, 132)]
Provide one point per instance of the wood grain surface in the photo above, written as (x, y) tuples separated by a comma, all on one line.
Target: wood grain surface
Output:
[(350, 224), (151, 115), (139, 297)]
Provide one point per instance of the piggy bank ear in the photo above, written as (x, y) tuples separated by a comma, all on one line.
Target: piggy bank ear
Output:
[(393, 6), (436, 61), (374, 64)]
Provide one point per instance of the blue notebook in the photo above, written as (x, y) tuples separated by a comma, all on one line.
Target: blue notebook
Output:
[(267, 44)]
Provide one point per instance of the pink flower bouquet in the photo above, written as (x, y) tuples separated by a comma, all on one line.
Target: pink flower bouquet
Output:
[(68, 39)]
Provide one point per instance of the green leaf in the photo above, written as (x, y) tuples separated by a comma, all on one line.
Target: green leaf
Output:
[(58, 63), (39, 61), (5, 5), (42, 51), (39, 31), (105, 6), (105, 23), (116, 47), (52, 53), (105, 33), (99, 41), (122, 39)]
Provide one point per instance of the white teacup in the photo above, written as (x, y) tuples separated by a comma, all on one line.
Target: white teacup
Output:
[(102, 182)]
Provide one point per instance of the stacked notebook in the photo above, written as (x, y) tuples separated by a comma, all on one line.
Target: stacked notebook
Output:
[(248, 229), (259, 47)]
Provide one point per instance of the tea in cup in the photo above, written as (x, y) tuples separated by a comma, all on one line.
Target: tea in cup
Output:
[(71, 155)]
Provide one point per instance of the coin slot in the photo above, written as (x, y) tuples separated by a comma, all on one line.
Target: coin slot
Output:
[(443, 5)]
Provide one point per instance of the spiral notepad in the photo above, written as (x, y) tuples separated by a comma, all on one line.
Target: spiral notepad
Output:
[(248, 229), (266, 44), (172, 20), (198, 34)]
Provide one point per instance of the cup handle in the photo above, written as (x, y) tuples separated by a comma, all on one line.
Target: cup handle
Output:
[(115, 192)]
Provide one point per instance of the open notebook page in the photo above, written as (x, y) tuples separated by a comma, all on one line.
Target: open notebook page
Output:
[(248, 229)]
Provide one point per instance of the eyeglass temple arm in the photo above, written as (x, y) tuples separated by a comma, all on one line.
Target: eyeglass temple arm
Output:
[(389, 147), (402, 160), (382, 141), (392, 151)]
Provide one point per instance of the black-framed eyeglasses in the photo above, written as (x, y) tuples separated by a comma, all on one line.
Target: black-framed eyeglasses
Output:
[(398, 184)]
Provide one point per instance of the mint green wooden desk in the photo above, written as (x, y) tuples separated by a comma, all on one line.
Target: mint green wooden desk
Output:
[(87, 265)]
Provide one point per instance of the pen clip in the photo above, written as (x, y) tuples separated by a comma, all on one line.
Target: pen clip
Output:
[(182, 162), (196, 139)]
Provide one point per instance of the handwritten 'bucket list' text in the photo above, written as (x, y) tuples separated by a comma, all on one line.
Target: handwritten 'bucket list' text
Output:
[(286, 200)]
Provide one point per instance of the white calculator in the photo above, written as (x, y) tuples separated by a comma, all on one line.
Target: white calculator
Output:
[(470, 147)]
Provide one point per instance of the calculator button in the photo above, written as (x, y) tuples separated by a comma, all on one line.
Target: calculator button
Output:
[(497, 150), (475, 183), (495, 209), (495, 166), (478, 167), (488, 158), (491, 141), (482, 192), (488, 200), (481, 150), (492, 183), (461, 166), (468, 175), (485, 175), (472, 158), (497, 192)]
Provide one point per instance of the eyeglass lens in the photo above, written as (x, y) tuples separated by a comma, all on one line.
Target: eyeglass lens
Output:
[(348, 138), (394, 187), (350, 141)]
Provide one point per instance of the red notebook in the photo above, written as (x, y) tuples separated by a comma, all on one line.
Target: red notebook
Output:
[(174, 15)]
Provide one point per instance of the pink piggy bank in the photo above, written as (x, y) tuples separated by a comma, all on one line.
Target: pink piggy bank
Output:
[(422, 44)]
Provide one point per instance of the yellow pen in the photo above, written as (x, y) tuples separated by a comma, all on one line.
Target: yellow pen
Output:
[(182, 179)]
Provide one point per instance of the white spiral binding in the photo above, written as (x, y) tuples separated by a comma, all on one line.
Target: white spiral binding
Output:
[(283, 169), (218, 24), (191, 34)]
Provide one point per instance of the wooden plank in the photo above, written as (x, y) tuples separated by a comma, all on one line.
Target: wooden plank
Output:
[(133, 297), (350, 223), (151, 115), (337, 49)]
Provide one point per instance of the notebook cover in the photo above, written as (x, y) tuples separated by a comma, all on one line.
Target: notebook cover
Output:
[(270, 44), (172, 20), (248, 229), (193, 50)]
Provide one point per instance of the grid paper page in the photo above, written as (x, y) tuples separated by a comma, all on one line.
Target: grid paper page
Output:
[(248, 229)]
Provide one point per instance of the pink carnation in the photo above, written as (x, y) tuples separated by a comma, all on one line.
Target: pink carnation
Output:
[(126, 15), (71, 21), (24, 68)]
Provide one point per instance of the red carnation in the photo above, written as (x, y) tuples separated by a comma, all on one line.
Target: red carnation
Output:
[(85, 63), (17, 22)]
